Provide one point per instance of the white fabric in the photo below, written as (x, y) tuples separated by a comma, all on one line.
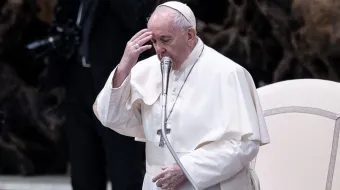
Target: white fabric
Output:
[(183, 9), (215, 117)]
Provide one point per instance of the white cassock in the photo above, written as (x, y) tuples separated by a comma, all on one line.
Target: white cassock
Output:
[(216, 124)]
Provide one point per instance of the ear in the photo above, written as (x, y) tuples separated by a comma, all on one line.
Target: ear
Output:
[(191, 36)]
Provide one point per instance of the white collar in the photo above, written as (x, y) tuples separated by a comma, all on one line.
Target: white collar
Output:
[(194, 55)]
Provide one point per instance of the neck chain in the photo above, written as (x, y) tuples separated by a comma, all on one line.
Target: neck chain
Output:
[(184, 83)]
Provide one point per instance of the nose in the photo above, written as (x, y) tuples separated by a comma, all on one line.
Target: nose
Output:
[(159, 49)]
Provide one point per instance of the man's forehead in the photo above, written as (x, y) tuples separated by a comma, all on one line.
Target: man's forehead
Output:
[(162, 36), (161, 28), (161, 32)]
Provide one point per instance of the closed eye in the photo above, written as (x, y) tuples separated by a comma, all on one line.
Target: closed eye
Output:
[(165, 41)]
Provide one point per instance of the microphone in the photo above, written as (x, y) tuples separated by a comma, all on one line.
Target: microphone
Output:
[(166, 64)]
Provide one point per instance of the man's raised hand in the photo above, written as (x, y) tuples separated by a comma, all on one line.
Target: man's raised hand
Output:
[(135, 46), (133, 49)]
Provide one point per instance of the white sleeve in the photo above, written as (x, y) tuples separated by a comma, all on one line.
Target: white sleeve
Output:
[(111, 110), (219, 161)]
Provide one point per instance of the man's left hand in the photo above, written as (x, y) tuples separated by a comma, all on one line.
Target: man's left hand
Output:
[(171, 178)]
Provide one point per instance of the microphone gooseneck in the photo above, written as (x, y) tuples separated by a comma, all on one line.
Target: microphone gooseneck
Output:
[(166, 64)]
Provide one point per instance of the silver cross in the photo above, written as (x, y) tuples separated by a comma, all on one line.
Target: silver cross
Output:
[(161, 140)]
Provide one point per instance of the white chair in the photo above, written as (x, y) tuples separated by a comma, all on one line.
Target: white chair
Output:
[(303, 119)]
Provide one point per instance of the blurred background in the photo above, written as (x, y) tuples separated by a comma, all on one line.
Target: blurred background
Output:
[(275, 40)]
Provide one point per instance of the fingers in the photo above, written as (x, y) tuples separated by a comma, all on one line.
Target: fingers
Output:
[(143, 48), (159, 176), (142, 41), (160, 183), (139, 39), (144, 37), (138, 34)]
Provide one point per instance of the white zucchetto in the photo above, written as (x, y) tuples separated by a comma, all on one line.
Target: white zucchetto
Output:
[(183, 9)]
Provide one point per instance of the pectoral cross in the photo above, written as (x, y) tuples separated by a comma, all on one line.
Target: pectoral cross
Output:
[(161, 140)]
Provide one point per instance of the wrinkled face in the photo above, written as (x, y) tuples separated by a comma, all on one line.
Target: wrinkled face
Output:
[(169, 40)]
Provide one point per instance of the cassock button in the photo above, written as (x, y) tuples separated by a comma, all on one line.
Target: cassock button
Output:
[(176, 79), (174, 90)]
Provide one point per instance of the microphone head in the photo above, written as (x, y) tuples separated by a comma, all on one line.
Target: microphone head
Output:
[(165, 69), (166, 63), (166, 60)]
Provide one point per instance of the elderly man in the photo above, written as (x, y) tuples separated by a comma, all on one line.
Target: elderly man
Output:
[(215, 121)]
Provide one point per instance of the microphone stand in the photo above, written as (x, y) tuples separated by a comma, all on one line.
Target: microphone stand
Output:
[(165, 68)]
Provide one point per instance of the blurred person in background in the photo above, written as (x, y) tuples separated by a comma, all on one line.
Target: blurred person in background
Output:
[(96, 152), (30, 124)]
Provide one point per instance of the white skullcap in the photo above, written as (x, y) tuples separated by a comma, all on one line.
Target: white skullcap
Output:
[(183, 9)]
